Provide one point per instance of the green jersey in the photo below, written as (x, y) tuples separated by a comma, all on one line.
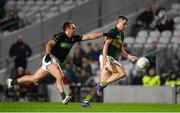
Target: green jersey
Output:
[(64, 45), (117, 42)]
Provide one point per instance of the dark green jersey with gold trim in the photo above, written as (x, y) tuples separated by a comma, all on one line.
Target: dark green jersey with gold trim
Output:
[(117, 41), (63, 45)]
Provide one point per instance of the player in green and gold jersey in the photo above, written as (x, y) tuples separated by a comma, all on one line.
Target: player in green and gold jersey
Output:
[(111, 69)]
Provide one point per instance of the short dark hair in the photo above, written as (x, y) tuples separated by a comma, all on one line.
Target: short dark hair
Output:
[(67, 24), (123, 18)]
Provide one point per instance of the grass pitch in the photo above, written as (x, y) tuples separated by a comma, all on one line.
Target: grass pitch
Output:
[(95, 107)]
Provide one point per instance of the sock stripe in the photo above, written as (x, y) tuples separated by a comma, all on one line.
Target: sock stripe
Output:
[(88, 98), (104, 83)]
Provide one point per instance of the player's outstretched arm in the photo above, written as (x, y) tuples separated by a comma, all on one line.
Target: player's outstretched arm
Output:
[(93, 36), (130, 57)]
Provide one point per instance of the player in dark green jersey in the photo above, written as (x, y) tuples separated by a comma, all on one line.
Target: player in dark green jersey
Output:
[(111, 69), (56, 51)]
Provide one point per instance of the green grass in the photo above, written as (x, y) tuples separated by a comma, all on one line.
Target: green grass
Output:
[(95, 107)]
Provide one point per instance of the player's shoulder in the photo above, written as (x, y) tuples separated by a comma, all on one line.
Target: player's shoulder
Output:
[(112, 30), (60, 34), (77, 38)]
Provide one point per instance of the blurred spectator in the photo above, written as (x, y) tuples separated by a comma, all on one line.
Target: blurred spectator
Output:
[(167, 23), (95, 53), (84, 72), (20, 51), (70, 75), (2, 9), (137, 78), (156, 8), (89, 50), (78, 55), (86, 66), (158, 18), (151, 79), (95, 67), (143, 21), (11, 22), (172, 79), (151, 54)]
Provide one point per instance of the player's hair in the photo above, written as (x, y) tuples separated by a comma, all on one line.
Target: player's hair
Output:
[(123, 18), (67, 24)]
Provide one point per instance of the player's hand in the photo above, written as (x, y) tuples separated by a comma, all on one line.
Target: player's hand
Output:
[(110, 35), (47, 58), (132, 58)]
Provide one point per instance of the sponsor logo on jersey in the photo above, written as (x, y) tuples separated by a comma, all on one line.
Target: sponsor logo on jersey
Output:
[(65, 45), (117, 43)]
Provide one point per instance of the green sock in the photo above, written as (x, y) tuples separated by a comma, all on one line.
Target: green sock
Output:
[(104, 83), (88, 99)]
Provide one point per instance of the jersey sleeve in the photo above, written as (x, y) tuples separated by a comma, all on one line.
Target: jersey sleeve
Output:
[(55, 38), (77, 38), (111, 31)]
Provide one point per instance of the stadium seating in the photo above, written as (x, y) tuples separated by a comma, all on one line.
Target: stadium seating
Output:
[(176, 7), (47, 8), (166, 33), (176, 33), (129, 41), (177, 19), (142, 33)]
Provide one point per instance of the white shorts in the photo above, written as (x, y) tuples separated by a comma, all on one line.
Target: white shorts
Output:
[(110, 63), (53, 60)]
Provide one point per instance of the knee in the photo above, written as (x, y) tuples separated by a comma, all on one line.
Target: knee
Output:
[(34, 80), (123, 75), (59, 78)]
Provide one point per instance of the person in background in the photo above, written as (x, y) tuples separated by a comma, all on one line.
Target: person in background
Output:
[(143, 21), (167, 23), (20, 52), (172, 79), (151, 79)]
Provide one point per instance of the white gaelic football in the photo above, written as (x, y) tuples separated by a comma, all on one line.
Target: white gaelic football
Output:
[(142, 63)]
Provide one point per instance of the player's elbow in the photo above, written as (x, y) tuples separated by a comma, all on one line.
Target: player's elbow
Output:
[(123, 75)]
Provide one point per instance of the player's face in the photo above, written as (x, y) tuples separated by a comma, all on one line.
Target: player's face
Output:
[(121, 24), (72, 29)]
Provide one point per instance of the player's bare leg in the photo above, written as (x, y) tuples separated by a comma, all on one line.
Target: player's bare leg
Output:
[(105, 75), (85, 101), (119, 73), (108, 77), (58, 74), (40, 73)]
